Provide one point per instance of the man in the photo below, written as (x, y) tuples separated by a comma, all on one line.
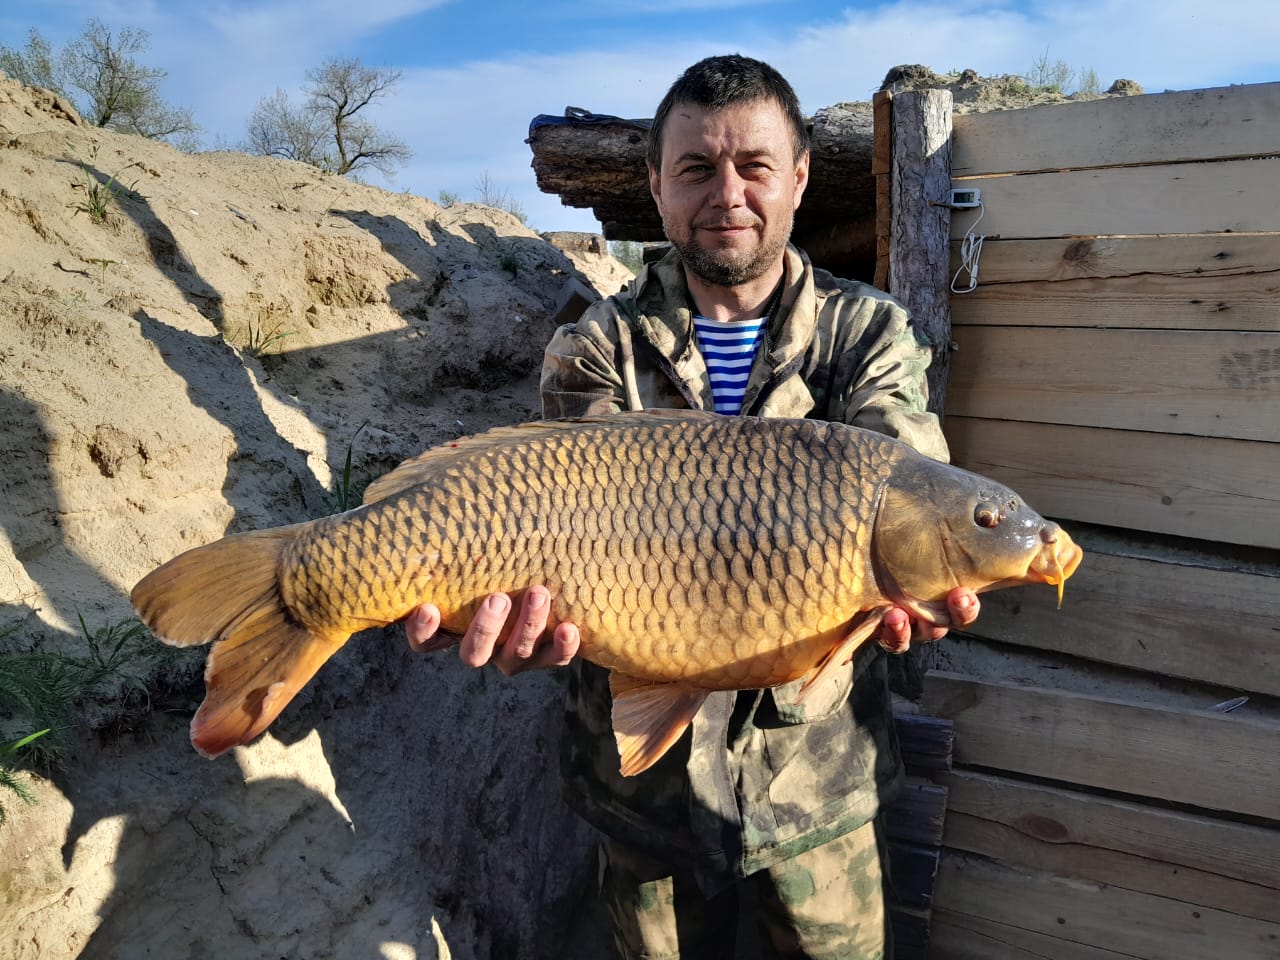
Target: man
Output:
[(762, 791)]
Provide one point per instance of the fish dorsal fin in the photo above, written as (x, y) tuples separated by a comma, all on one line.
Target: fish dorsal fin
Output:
[(649, 717), (839, 655), (421, 469)]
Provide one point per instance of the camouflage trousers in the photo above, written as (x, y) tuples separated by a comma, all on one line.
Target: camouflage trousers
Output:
[(825, 904)]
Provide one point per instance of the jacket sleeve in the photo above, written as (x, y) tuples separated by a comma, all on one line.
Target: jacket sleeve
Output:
[(581, 368), (878, 375)]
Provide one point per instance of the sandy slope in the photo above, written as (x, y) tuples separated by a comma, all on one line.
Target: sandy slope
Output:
[(402, 803)]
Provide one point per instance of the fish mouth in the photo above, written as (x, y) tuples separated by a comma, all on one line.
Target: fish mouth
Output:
[(1055, 561)]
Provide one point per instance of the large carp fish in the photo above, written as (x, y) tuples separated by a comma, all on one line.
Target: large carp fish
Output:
[(694, 552)]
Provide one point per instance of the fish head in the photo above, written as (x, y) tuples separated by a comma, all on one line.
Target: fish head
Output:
[(939, 527)]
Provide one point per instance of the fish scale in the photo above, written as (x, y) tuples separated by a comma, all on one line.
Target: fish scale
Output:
[(692, 551)]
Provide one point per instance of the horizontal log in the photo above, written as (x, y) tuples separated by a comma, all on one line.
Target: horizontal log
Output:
[(1238, 121), (1199, 758), (601, 166)]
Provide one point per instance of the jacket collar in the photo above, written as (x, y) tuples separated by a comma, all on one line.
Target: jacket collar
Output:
[(665, 322)]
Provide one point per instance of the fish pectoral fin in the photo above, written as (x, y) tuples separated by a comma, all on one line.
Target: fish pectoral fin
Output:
[(842, 652), (649, 717)]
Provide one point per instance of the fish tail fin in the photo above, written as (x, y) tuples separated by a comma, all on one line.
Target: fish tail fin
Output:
[(229, 592)]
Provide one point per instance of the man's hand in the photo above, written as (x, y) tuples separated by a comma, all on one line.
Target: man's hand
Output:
[(897, 630), (483, 641)]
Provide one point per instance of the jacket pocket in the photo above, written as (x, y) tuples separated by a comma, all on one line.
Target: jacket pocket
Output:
[(821, 702)]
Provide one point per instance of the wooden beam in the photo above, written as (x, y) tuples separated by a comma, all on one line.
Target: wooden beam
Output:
[(918, 248), (1136, 749), (1230, 196), (1213, 282), (958, 936), (1228, 866), (1163, 618), (1208, 383), (1238, 121), (882, 170), (1037, 909), (1210, 488)]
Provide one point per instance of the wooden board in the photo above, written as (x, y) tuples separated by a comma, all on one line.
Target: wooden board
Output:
[(1214, 282), (1228, 866), (958, 936), (1215, 626), (1239, 121), (1208, 760), (1236, 196), (1209, 383), (1095, 915), (1205, 487)]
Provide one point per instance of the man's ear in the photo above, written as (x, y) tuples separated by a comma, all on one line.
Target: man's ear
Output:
[(655, 185), (802, 176)]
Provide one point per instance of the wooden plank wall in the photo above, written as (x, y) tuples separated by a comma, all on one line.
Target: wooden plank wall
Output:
[(1119, 365)]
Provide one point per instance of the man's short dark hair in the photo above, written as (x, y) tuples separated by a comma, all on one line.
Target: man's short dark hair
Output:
[(718, 82)]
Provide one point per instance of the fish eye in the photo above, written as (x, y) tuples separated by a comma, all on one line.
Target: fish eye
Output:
[(987, 515)]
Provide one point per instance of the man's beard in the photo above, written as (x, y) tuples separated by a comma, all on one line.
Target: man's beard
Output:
[(713, 267)]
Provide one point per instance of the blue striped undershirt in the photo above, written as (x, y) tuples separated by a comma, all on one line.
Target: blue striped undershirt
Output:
[(729, 348)]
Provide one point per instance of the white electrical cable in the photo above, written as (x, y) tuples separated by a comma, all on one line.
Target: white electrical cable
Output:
[(970, 251)]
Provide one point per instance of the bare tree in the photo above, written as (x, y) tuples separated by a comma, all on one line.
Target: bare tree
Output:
[(116, 92), (326, 131), (279, 129), (339, 90)]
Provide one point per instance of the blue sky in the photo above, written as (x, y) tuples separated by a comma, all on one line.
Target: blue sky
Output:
[(475, 73)]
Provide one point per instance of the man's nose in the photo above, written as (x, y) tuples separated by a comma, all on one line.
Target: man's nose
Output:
[(728, 188)]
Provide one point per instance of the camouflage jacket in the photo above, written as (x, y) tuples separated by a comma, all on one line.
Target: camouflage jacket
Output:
[(758, 778)]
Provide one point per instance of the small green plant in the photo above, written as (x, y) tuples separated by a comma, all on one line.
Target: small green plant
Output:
[(99, 195), (41, 691), (9, 775), (261, 338), (448, 198), (345, 495), (510, 259), (102, 262)]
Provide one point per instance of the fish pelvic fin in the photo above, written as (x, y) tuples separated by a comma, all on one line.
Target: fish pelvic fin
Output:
[(649, 717), (842, 652), (228, 592)]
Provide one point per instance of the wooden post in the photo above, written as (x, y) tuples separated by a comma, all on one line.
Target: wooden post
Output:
[(919, 248), (919, 186), (882, 170)]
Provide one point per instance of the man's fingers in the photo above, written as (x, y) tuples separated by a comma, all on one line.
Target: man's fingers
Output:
[(895, 631), (421, 625), (486, 626), (533, 620), (556, 651), (963, 606)]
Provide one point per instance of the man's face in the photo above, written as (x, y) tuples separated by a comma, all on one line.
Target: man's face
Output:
[(728, 188)]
